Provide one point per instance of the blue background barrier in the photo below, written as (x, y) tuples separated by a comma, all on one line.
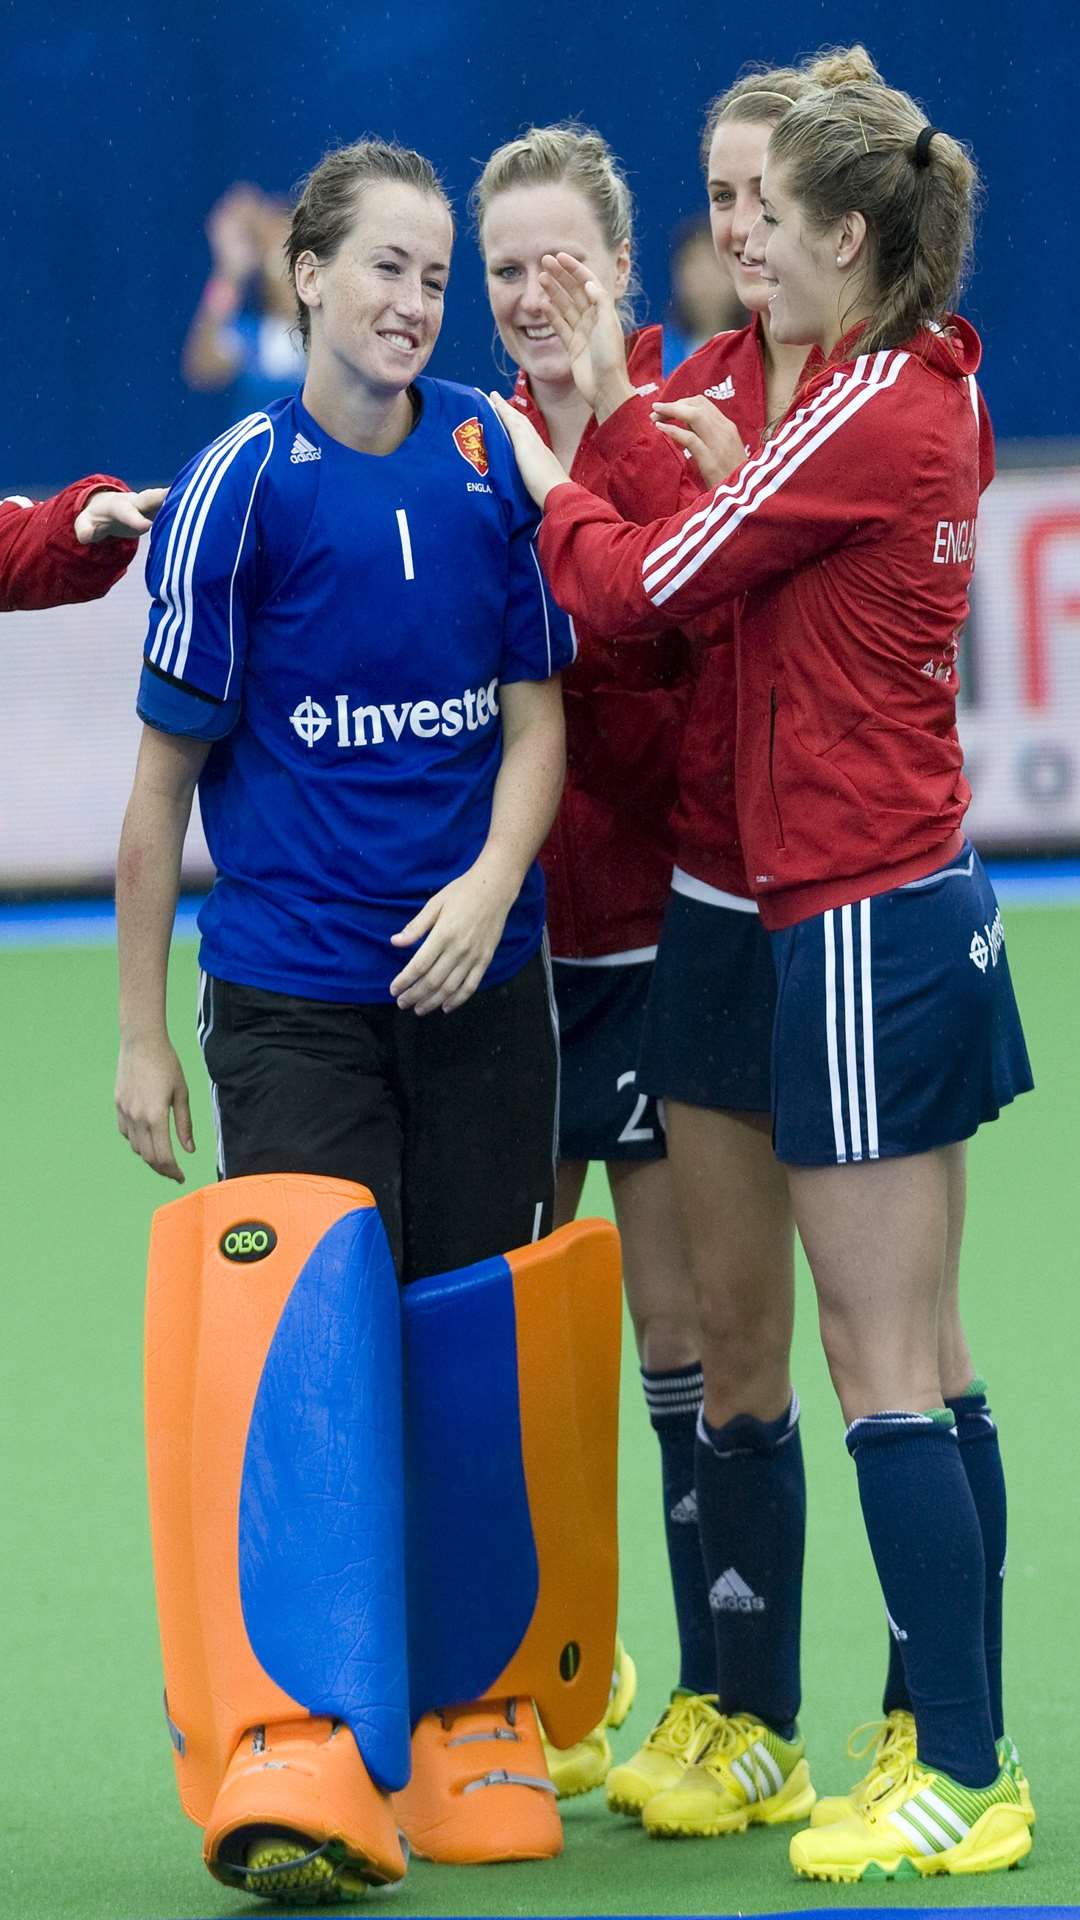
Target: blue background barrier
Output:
[(117, 139)]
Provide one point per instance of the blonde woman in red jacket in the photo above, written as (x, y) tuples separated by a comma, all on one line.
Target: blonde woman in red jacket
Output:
[(850, 539), (608, 861), (705, 1044)]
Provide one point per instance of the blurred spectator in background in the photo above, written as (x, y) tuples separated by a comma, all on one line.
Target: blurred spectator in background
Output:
[(703, 301), (241, 341)]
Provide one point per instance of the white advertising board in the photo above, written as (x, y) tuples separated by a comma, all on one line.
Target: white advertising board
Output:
[(1020, 664)]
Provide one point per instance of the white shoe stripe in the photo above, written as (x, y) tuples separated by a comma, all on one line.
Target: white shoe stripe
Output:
[(919, 1816), (952, 1819), (768, 1766), (745, 1779), (830, 1037), (918, 1840)]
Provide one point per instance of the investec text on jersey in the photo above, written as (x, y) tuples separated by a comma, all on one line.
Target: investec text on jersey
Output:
[(475, 707)]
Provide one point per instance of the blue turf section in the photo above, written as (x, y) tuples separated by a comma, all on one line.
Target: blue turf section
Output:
[(322, 1574), (831, 1913), (75, 923), (471, 1555)]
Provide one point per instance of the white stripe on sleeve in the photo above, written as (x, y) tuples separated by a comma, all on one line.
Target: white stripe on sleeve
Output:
[(543, 604), (185, 537), (760, 478), (218, 453)]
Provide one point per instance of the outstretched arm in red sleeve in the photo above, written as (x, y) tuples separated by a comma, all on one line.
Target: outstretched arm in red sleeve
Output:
[(73, 547)]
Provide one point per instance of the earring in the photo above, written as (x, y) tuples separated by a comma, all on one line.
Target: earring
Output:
[(839, 261)]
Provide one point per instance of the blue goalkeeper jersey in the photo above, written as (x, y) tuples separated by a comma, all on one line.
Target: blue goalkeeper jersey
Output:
[(339, 625)]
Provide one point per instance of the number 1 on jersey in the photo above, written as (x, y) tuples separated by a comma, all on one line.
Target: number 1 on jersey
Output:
[(406, 544)]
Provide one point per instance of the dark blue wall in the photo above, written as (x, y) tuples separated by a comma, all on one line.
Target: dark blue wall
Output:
[(115, 141)]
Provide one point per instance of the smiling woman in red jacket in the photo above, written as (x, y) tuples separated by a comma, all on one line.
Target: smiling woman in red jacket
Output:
[(850, 536), (608, 860)]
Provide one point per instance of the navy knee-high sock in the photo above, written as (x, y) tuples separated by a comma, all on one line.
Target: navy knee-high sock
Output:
[(674, 1401), (980, 1455), (927, 1546), (752, 1507)]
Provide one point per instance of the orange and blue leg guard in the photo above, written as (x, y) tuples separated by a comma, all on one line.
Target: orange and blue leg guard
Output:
[(511, 1397), (273, 1392)]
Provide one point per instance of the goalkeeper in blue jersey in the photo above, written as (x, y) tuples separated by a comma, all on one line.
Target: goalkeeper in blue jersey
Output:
[(353, 657)]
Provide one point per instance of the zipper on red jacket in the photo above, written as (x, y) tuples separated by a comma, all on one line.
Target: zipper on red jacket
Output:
[(772, 783)]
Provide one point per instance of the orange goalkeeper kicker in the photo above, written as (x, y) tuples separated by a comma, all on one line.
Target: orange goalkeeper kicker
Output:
[(273, 1436), (512, 1381)]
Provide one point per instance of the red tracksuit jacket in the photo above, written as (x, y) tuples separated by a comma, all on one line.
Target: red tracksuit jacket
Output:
[(42, 563), (851, 536), (608, 858), (645, 477)]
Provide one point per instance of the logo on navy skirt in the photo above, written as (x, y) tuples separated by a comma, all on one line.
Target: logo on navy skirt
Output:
[(982, 952)]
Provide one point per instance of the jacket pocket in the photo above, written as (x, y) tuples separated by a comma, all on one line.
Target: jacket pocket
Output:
[(772, 782)]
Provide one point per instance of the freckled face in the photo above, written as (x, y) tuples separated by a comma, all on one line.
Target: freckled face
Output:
[(736, 160), (378, 303), (796, 266), (519, 227)]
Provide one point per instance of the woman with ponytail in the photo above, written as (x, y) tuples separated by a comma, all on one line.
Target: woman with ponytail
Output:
[(848, 540)]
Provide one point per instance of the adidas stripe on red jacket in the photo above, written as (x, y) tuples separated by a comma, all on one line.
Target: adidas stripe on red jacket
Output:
[(852, 537)]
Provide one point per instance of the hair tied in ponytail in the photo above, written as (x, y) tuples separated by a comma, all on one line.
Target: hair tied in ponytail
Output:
[(922, 145)]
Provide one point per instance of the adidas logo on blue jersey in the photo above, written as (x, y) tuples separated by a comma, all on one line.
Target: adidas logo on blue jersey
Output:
[(725, 391), (303, 450)]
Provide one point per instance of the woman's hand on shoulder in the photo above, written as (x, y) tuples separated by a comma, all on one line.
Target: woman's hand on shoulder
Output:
[(587, 322), (459, 928), (712, 441), (537, 465), (109, 515), (150, 1086)]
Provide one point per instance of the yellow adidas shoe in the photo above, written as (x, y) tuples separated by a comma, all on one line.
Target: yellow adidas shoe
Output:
[(580, 1768), (747, 1776), (922, 1823), (682, 1732), (1009, 1756), (283, 1868), (893, 1743)]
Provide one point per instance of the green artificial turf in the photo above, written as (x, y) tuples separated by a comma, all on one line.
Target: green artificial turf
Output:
[(90, 1823)]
